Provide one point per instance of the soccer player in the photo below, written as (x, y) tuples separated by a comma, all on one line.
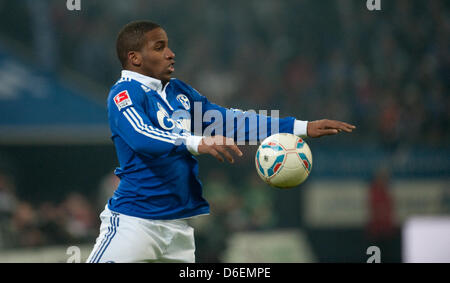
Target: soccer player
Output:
[(145, 219)]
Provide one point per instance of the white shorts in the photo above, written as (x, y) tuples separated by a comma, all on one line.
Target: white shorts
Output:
[(125, 238)]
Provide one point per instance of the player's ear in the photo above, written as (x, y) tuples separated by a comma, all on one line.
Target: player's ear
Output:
[(135, 58)]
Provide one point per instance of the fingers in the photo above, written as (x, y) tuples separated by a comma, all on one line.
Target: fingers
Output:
[(218, 146), (327, 132), (235, 149), (224, 151), (349, 125), (345, 127), (337, 125), (229, 145), (328, 127), (214, 153)]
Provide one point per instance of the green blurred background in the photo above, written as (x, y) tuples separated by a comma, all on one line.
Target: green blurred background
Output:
[(385, 71)]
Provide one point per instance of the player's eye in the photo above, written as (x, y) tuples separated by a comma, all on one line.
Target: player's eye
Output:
[(159, 47)]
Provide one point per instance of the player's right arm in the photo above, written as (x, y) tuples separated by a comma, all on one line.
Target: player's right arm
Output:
[(129, 120)]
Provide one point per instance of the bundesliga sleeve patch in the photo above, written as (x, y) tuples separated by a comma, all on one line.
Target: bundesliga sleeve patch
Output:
[(122, 100)]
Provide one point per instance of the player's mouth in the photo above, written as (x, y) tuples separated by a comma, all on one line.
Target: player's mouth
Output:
[(172, 67)]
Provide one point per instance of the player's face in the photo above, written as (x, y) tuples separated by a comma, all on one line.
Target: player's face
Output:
[(157, 58)]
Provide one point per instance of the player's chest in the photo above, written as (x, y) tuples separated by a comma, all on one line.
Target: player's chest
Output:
[(169, 110)]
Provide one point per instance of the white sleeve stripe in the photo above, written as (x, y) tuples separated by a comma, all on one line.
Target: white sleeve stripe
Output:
[(146, 127), (146, 133), (149, 128)]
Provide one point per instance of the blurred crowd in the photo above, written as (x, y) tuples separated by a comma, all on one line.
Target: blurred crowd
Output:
[(23, 224), (69, 218), (386, 71)]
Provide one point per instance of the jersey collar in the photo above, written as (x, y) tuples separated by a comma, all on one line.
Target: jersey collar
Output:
[(150, 82)]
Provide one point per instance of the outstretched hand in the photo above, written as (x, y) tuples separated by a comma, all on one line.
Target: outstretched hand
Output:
[(218, 146), (327, 127)]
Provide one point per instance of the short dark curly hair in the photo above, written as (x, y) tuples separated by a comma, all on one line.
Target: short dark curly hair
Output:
[(131, 38)]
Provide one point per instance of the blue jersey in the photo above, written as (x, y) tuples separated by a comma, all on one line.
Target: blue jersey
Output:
[(158, 171)]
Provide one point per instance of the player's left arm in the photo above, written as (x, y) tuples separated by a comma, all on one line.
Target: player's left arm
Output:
[(242, 123), (237, 124)]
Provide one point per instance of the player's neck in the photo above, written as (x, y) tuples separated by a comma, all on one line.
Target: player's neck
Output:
[(139, 71), (144, 78)]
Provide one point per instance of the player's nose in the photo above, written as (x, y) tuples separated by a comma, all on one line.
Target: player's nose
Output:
[(170, 54)]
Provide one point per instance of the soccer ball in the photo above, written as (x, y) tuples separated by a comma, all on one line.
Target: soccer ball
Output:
[(283, 160)]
